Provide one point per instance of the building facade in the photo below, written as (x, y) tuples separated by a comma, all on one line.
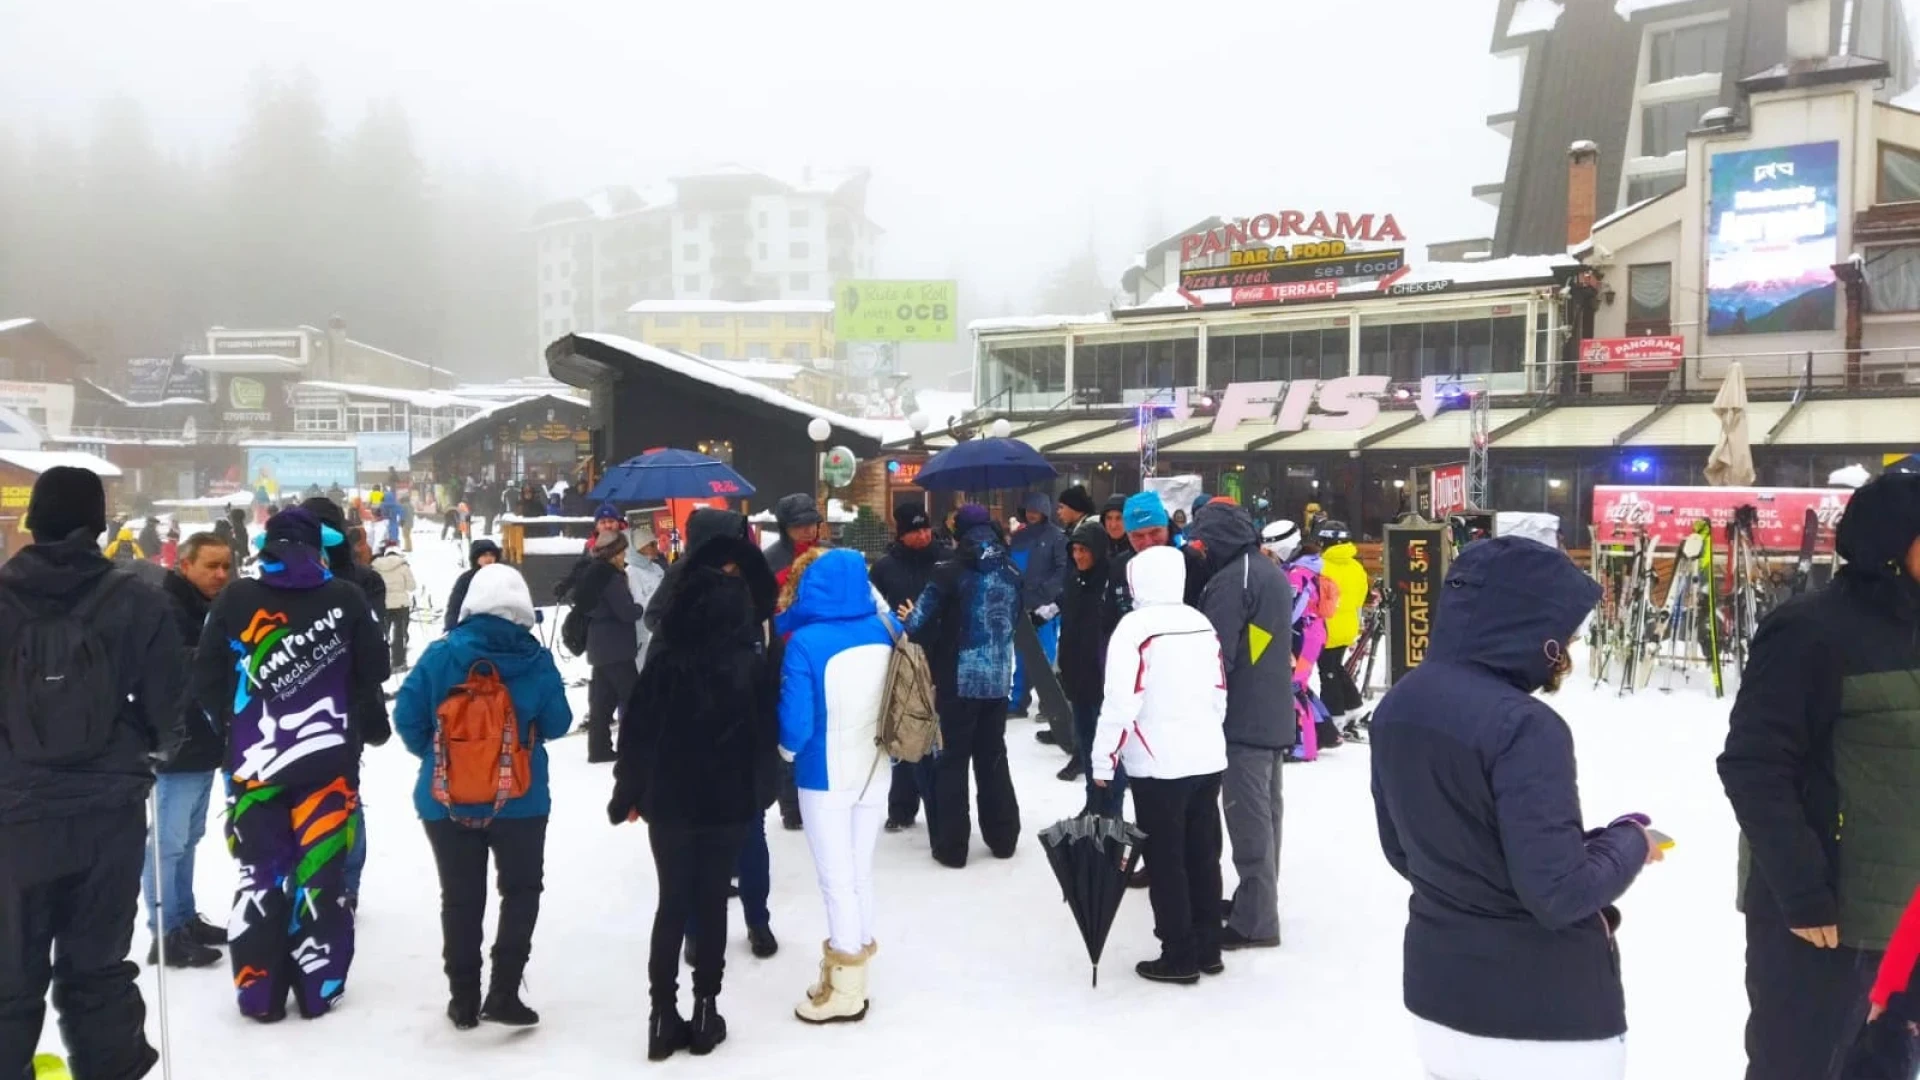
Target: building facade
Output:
[(729, 235), (1635, 76)]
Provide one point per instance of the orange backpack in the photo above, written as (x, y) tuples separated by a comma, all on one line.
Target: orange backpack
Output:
[(477, 755), (1329, 597)]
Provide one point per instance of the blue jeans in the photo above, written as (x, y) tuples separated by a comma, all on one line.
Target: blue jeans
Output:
[(182, 821), (1049, 632), (755, 870), (1109, 801), (357, 854)]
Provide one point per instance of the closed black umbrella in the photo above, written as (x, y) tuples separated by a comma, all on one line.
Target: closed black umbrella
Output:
[(1093, 857)]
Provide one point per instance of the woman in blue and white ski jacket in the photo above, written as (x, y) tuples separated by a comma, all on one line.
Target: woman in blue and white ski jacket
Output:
[(831, 683)]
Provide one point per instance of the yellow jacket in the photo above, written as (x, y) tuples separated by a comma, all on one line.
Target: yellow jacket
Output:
[(1338, 563)]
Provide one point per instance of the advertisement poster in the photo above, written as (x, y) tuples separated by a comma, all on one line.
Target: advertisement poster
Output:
[(1449, 486), (1667, 514), (895, 310), (295, 469), (1414, 557), (48, 406), (1773, 233), (1620, 356), (383, 450), (164, 378)]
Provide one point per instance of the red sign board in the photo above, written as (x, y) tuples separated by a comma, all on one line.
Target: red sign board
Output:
[(1668, 513), (1292, 290), (1449, 490), (1616, 356)]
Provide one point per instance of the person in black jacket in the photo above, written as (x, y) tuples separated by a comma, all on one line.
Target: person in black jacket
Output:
[(900, 575), (1113, 520), (183, 787), (1828, 717), (71, 834), (1509, 954), (294, 718), (612, 641), (698, 760), (1084, 631), (799, 521), (481, 552)]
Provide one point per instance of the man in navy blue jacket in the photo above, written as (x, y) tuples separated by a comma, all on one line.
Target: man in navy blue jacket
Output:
[(1509, 952)]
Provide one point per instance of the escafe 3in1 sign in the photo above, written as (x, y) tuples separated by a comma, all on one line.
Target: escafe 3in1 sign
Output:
[(1415, 564)]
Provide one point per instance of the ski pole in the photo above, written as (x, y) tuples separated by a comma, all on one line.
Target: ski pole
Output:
[(159, 931)]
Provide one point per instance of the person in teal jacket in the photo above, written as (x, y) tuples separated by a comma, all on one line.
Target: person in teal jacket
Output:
[(496, 626)]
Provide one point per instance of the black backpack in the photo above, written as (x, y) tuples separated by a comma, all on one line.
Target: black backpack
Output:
[(62, 695), (573, 630)]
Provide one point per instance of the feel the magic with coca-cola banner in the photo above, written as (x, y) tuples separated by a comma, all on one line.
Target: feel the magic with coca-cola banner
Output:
[(1622, 513)]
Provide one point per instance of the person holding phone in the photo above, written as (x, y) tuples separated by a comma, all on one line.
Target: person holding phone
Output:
[(1511, 966)]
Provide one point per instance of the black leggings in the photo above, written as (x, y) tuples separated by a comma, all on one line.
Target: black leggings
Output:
[(692, 866), (1337, 690)]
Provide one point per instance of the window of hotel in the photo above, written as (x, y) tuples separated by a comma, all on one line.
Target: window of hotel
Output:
[(711, 321), (1650, 298), (373, 416), (759, 350), (332, 419), (1893, 278), (1664, 127), (1642, 188), (798, 249), (1472, 343), (692, 283), (797, 350), (799, 322), (799, 219), (1899, 174), (1689, 50), (1267, 353), (666, 322), (713, 350), (800, 282), (1029, 372), (759, 322), (1115, 368)]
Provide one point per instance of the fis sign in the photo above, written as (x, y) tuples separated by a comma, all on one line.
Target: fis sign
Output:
[(1345, 404)]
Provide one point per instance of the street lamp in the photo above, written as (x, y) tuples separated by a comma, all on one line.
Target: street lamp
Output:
[(1000, 429), (820, 431)]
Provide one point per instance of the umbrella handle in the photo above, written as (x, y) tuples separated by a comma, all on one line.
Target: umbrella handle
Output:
[(1096, 976)]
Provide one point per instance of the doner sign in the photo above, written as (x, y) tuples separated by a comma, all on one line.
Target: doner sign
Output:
[(895, 310)]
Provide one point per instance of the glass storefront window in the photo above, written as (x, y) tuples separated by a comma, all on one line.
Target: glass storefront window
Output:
[(1407, 347), (1115, 369), (1276, 351), (1025, 373)]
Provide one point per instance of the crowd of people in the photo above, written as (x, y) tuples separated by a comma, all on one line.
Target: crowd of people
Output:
[(1197, 656)]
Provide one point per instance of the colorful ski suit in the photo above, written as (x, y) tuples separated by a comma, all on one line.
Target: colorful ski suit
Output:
[(1309, 638)]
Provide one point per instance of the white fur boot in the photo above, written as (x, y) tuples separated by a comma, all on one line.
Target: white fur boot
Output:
[(841, 994)]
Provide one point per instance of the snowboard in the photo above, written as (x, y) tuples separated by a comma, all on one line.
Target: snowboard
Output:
[(1711, 585), (1043, 681), (50, 1067)]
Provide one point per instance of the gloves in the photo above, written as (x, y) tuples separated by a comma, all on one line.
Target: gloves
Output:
[(1045, 613)]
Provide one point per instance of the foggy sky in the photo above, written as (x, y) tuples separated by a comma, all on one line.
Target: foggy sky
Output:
[(1002, 133)]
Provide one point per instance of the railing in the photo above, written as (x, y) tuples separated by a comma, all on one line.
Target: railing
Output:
[(1835, 369)]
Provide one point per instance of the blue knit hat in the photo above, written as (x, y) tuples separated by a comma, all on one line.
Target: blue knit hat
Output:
[(608, 512), (1145, 511)]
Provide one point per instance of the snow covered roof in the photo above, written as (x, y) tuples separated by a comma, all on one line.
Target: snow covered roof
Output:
[(113, 440), (14, 324), (244, 363), (759, 369), (705, 372), (732, 307), (296, 444), (39, 461), (419, 399), (1534, 16), (1909, 101), (517, 390), (1626, 9), (1038, 322)]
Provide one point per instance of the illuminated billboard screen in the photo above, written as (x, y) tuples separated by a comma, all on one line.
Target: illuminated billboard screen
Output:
[(1772, 238)]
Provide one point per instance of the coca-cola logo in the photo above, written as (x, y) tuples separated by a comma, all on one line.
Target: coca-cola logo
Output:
[(1630, 509)]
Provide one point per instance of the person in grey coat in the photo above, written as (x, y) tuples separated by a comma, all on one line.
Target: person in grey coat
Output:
[(1039, 550), (1250, 604), (613, 645)]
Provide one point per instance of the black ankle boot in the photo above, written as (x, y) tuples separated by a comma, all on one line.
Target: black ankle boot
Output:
[(667, 1034), (503, 1005), (709, 1028), (464, 1010)]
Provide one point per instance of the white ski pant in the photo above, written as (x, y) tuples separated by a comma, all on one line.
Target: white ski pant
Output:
[(843, 827), (1452, 1055)]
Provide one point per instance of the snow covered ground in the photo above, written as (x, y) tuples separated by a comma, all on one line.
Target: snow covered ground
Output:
[(983, 967)]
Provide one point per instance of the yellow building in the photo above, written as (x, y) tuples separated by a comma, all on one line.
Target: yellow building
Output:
[(794, 331)]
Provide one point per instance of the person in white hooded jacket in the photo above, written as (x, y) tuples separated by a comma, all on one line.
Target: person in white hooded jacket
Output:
[(1163, 718)]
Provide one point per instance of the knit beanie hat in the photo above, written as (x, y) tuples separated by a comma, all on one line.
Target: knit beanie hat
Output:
[(295, 526), (1077, 498), (909, 517), (1144, 510), (609, 512), (1114, 503), (1880, 525), (972, 516), (66, 499)]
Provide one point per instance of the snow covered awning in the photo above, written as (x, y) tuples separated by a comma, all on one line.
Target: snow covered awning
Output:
[(39, 461)]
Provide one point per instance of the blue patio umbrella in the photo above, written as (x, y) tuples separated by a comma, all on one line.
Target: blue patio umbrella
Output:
[(985, 465), (670, 474)]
